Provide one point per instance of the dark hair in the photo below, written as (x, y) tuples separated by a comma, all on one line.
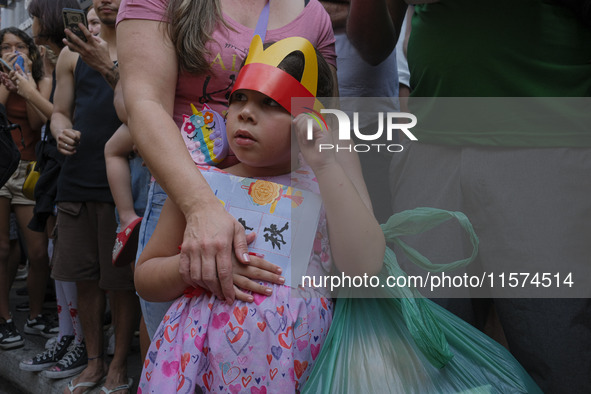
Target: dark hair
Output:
[(49, 13), (34, 54), (294, 64)]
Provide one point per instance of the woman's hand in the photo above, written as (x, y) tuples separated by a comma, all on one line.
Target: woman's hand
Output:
[(7, 82), (24, 83), (207, 261)]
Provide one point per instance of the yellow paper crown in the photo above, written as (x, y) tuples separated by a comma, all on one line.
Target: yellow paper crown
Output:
[(260, 73)]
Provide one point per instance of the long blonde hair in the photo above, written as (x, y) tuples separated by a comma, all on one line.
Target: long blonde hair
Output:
[(191, 25)]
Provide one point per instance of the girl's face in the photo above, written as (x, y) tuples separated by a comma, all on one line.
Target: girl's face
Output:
[(12, 43), (259, 133), (94, 23), (35, 29)]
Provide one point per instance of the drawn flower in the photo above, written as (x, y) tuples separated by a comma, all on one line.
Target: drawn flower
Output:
[(208, 117), (264, 192)]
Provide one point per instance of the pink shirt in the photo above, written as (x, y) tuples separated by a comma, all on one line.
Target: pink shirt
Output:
[(228, 50)]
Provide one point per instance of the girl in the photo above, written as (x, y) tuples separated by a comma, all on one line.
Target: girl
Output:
[(205, 344), (197, 63)]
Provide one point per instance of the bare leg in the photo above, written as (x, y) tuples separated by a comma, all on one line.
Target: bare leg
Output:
[(36, 244), (14, 258), (4, 253), (125, 309), (91, 309)]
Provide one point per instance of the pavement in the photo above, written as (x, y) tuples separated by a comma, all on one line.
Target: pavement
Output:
[(15, 381)]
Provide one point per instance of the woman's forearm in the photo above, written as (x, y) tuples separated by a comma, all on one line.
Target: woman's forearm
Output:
[(41, 104)]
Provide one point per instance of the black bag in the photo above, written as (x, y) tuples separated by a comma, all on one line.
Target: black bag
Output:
[(9, 153)]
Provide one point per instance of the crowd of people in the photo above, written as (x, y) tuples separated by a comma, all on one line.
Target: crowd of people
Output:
[(138, 126)]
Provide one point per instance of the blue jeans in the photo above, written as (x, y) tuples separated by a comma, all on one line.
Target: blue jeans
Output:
[(153, 311), (140, 184)]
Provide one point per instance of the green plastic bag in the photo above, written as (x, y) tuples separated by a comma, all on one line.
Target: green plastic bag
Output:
[(407, 344)]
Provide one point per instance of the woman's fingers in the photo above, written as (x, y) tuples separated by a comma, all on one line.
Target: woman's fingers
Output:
[(224, 272)]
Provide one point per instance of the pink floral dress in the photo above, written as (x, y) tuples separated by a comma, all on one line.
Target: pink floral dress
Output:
[(268, 346)]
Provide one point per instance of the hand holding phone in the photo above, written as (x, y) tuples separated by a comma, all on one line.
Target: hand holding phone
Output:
[(7, 67), (20, 61), (72, 17)]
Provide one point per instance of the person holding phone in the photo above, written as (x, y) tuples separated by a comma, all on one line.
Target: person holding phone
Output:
[(15, 44)]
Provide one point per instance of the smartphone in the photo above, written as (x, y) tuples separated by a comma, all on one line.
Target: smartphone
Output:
[(20, 61), (72, 17), (6, 65)]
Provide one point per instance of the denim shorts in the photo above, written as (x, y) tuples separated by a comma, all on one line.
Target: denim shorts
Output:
[(153, 311)]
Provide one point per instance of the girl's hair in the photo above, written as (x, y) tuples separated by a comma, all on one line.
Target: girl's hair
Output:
[(34, 54), (294, 64), (50, 55), (49, 13), (191, 25)]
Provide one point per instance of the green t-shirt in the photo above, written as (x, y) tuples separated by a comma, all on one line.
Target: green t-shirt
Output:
[(504, 49)]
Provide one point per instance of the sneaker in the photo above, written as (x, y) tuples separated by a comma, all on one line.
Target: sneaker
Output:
[(73, 362), (9, 336), (22, 272), (51, 342), (49, 357), (110, 340), (41, 325), (23, 291)]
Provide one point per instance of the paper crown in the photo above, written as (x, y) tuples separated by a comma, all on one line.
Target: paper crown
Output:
[(260, 73)]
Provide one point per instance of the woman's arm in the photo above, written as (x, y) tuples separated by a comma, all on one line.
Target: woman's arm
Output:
[(157, 276), (38, 117), (37, 95), (30, 90), (149, 73), (356, 239), (4, 92)]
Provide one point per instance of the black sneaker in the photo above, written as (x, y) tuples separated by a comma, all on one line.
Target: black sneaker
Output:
[(23, 291), (9, 336), (49, 357), (73, 362), (41, 325)]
